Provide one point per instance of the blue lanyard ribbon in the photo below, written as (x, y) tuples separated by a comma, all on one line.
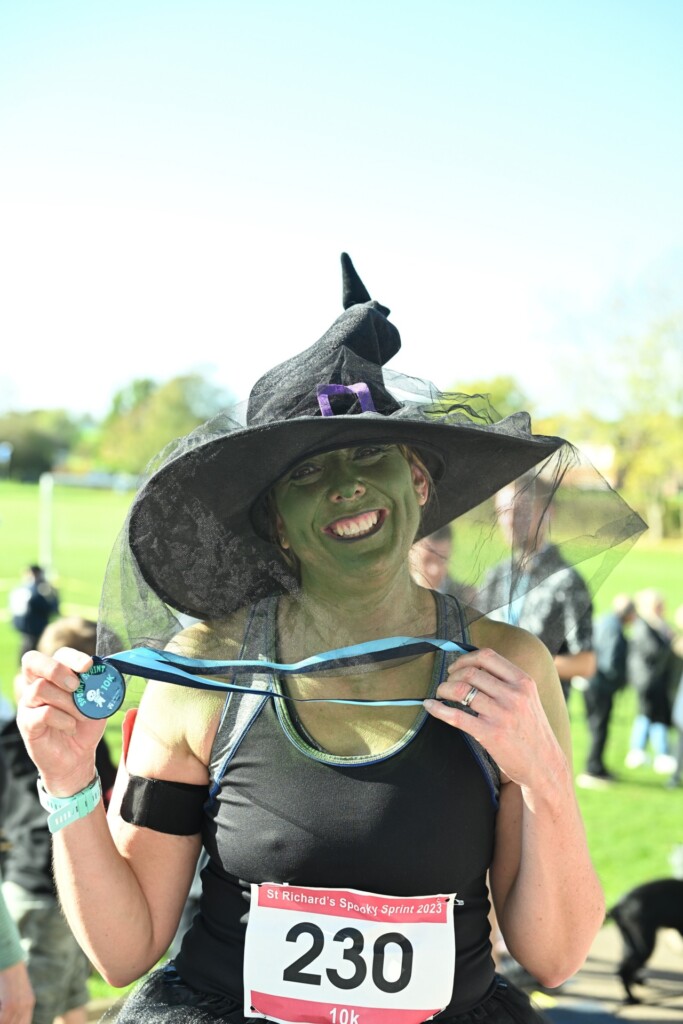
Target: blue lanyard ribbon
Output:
[(102, 688)]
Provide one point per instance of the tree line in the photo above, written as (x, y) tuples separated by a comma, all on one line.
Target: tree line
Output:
[(643, 438), (144, 416)]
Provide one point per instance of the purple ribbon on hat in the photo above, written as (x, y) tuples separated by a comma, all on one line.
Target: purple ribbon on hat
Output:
[(361, 390)]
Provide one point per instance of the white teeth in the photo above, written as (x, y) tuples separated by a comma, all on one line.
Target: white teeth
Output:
[(353, 528)]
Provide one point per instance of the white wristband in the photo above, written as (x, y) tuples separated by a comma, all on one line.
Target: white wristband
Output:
[(64, 810)]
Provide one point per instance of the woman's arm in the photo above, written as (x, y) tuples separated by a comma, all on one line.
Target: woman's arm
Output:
[(122, 890), (581, 663), (548, 899)]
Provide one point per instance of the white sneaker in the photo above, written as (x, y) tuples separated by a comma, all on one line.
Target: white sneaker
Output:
[(636, 759), (586, 780), (665, 764)]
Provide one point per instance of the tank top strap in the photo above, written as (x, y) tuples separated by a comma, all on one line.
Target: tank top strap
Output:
[(452, 624), (241, 709)]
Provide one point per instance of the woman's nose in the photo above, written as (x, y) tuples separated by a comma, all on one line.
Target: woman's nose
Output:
[(347, 490)]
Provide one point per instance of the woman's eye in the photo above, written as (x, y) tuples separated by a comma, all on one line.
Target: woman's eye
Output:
[(369, 452), (304, 471)]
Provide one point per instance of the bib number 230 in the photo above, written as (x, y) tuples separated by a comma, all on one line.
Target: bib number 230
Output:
[(354, 944), (335, 956)]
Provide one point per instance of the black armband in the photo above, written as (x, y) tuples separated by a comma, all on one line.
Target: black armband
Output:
[(176, 808)]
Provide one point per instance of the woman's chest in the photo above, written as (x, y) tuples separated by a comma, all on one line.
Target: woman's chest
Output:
[(423, 815), (362, 714)]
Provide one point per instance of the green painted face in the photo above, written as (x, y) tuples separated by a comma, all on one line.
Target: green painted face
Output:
[(350, 509)]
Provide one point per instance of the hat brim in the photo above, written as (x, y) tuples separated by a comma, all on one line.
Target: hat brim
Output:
[(190, 527)]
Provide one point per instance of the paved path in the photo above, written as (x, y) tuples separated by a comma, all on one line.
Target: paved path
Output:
[(596, 996)]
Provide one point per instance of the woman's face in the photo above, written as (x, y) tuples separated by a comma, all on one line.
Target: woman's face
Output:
[(345, 507)]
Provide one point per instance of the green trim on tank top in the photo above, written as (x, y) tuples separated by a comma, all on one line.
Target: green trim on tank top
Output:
[(298, 739)]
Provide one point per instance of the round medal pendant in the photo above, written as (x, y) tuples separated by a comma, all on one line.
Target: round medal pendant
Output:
[(101, 692)]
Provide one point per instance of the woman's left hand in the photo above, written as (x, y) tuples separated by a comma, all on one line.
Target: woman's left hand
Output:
[(510, 721)]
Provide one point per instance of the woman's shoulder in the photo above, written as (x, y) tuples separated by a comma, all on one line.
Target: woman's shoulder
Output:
[(532, 656), (216, 639), (512, 642), (179, 722)]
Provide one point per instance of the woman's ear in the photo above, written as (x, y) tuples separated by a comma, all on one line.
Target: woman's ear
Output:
[(280, 528), (420, 483)]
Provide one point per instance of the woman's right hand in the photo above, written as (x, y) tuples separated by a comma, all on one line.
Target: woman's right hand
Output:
[(60, 740)]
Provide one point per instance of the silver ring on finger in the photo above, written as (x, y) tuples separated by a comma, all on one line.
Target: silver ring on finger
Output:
[(473, 691)]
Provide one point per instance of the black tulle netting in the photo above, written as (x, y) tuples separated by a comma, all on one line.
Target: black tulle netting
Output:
[(199, 542), (193, 544)]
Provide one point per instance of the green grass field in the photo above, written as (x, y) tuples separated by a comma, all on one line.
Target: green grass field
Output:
[(631, 827), (85, 524)]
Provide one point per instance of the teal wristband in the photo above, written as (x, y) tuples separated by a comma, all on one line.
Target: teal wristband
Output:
[(64, 810), (11, 952)]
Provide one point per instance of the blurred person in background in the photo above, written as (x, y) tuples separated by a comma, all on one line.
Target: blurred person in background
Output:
[(611, 649), (677, 709), (32, 604), (547, 590), (650, 660), (57, 966), (430, 559), (16, 994)]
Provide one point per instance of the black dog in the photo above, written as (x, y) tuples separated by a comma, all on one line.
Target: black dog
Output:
[(638, 915)]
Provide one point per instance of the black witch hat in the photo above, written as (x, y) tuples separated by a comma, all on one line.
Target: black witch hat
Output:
[(196, 530)]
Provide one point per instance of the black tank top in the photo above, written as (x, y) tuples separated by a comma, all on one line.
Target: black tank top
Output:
[(418, 819)]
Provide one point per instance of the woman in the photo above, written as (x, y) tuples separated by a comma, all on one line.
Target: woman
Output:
[(349, 843), (650, 666)]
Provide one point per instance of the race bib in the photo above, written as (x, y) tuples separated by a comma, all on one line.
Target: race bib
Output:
[(341, 956)]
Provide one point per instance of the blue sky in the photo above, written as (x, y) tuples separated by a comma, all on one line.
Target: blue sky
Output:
[(178, 179)]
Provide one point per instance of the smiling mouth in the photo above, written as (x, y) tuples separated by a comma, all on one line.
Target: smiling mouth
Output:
[(365, 524)]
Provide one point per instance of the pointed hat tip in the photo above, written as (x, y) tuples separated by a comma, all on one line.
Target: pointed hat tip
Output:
[(354, 291)]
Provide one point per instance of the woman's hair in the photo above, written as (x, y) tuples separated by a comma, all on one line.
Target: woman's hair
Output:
[(270, 512), (413, 457)]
